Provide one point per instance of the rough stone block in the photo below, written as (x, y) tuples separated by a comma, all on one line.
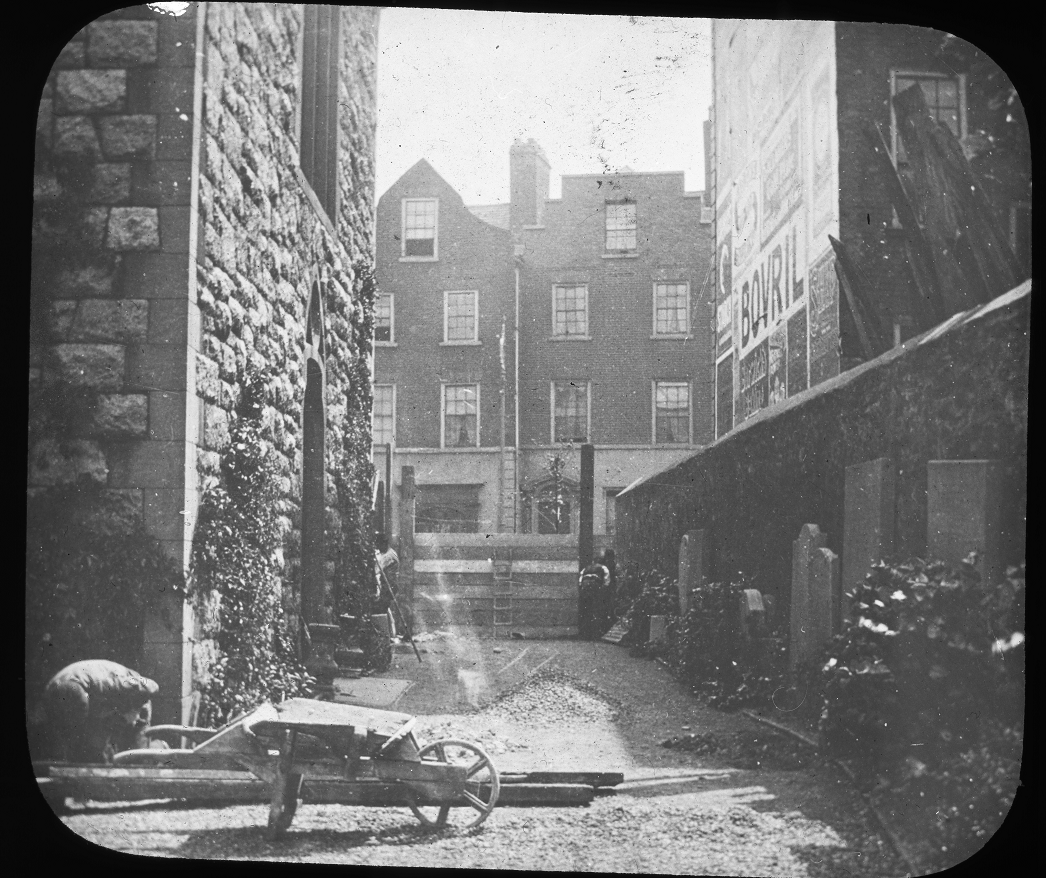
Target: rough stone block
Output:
[(110, 320), (208, 384), (111, 183), (60, 317), (45, 123), (152, 275), (215, 427), (90, 91), (157, 367), (965, 513), (75, 135), (121, 43), (693, 565), (90, 280), (100, 366), (58, 463), (801, 644), (124, 137), (122, 414), (72, 55), (134, 228), (92, 226), (868, 522)]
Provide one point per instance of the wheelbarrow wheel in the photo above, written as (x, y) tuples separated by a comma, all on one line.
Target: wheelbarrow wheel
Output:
[(482, 786)]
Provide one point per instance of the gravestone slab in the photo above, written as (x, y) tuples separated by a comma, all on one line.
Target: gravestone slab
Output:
[(617, 633), (658, 629), (868, 523), (753, 613), (810, 539), (965, 513), (693, 565), (822, 598)]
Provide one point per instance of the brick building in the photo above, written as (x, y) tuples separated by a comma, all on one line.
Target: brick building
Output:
[(203, 203), (818, 132), (513, 333)]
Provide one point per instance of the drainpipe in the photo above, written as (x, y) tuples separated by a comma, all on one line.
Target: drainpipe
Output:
[(515, 480)]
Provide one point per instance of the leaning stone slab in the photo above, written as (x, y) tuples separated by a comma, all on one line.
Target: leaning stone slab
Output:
[(965, 513), (693, 565), (868, 522), (658, 629), (810, 538), (822, 598), (752, 612)]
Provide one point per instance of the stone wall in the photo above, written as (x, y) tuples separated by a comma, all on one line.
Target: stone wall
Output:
[(175, 243), (264, 240), (961, 393)]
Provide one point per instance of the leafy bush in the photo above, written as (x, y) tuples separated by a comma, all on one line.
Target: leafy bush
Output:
[(237, 557)]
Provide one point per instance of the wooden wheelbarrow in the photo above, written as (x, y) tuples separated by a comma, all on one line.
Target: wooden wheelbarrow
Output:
[(318, 751)]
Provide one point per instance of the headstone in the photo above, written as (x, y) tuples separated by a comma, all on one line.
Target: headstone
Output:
[(753, 614), (658, 629), (810, 538), (693, 565), (868, 524), (965, 513), (823, 597)]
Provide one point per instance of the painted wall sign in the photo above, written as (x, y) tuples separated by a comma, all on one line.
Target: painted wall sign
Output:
[(780, 189), (725, 396), (781, 176), (773, 287), (797, 371), (752, 383), (824, 319), (724, 297)]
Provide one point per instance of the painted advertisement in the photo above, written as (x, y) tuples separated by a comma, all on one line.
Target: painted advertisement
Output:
[(780, 188), (780, 174), (724, 297), (724, 406), (772, 287), (824, 319), (752, 383)]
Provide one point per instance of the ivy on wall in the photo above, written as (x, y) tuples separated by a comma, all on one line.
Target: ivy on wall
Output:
[(237, 562)]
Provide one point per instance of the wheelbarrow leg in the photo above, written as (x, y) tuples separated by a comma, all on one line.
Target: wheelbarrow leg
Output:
[(286, 788)]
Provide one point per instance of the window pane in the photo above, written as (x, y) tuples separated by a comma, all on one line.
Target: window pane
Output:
[(671, 309), (460, 415), (672, 412), (621, 226), (383, 414), (419, 228), (570, 412), (570, 316), (461, 317), (383, 318)]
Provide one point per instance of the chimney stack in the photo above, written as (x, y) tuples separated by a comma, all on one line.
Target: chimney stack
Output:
[(528, 184)]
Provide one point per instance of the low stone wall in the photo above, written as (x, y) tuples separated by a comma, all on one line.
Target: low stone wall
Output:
[(957, 392)]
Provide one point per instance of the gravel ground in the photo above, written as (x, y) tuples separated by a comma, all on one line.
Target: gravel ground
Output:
[(739, 801)]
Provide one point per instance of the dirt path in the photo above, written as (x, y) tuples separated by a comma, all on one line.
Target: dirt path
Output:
[(741, 802)]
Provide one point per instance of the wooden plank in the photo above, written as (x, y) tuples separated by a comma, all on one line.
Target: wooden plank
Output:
[(588, 778), (548, 795), (856, 295)]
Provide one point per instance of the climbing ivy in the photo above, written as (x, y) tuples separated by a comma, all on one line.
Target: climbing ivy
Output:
[(237, 560)]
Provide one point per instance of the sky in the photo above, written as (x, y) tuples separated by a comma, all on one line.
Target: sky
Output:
[(597, 92)]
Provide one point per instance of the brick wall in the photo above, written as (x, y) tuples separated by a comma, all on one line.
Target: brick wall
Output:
[(621, 359), (472, 255), (961, 395)]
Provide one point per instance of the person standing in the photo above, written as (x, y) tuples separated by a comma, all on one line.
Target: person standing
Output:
[(592, 585), (96, 708), (387, 565)]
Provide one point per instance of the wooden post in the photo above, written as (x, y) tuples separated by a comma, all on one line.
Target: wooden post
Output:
[(587, 488), (405, 581), (286, 788), (386, 524)]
